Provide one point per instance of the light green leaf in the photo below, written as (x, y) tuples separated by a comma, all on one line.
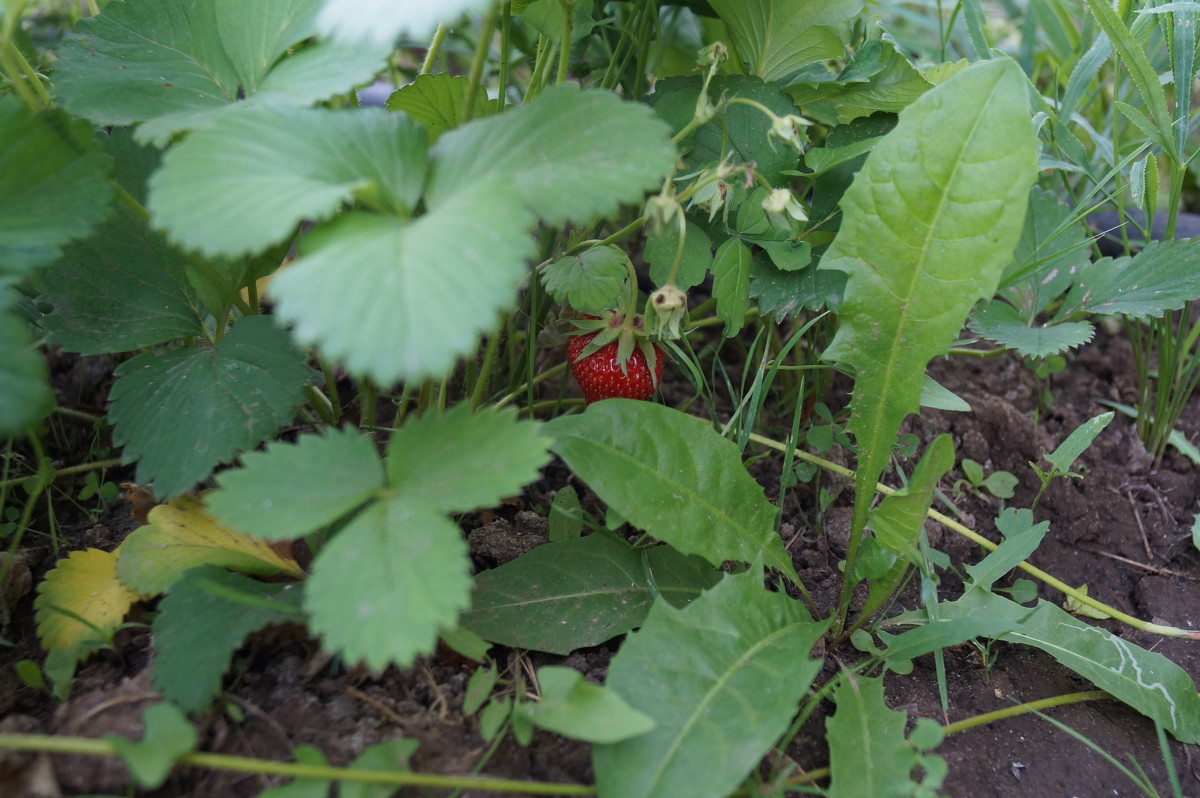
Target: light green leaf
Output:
[(1001, 322), (167, 736), (1080, 438), (204, 621), (939, 397), (738, 651), (1163, 276), (387, 583), (292, 489), (661, 248), (895, 86), (741, 131), (395, 300), (868, 754), (380, 22), (568, 155), (460, 460), (566, 515), (436, 101), (731, 284), (929, 224), (572, 707), (181, 64), (777, 37), (181, 536), (246, 181), (302, 787), (1021, 539), (579, 592), (391, 756), (591, 281), (673, 476), (53, 186), (25, 395), (181, 412), (123, 288)]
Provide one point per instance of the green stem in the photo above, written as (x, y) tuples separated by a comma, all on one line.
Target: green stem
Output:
[(435, 48), (78, 415), (564, 49), (240, 764), (502, 78), (63, 472), (487, 28), (623, 233), (515, 394), (483, 384), (10, 69), (975, 537)]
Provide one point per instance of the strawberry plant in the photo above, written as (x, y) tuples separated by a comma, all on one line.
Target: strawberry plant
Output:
[(339, 336)]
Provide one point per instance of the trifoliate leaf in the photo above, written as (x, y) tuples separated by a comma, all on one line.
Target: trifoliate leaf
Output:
[(203, 621), (737, 651), (167, 736), (25, 395), (181, 536), (292, 489), (222, 192), (591, 281), (387, 583), (53, 186), (450, 462), (82, 602), (1001, 322), (123, 288), (181, 64), (181, 412), (573, 707), (437, 101), (1163, 276)]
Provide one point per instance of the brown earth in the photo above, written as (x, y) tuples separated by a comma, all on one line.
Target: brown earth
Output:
[(1124, 530)]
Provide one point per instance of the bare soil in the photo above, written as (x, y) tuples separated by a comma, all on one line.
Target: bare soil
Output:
[(1124, 530)]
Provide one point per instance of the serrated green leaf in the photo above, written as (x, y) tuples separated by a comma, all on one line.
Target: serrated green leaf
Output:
[(777, 37), (661, 248), (81, 602), (204, 619), (741, 131), (460, 460), (292, 489), (223, 191), (868, 755), (1021, 539), (181, 536), (181, 412), (568, 155), (731, 284), (673, 476), (591, 281), (436, 101), (381, 21), (167, 736), (1001, 322), (395, 300), (737, 651), (394, 576), (579, 592), (53, 186), (570, 706), (1163, 276), (929, 224), (181, 64), (121, 289), (25, 395)]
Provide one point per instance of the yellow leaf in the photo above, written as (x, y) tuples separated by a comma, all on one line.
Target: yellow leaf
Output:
[(84, 584), (180, 536)]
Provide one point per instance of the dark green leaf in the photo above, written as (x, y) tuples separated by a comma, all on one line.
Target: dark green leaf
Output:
[(25, 395), (731, 284), (1163, 276), (661, 249), (181, 412)]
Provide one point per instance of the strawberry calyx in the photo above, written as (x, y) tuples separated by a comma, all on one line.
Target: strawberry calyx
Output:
[(628, 331)]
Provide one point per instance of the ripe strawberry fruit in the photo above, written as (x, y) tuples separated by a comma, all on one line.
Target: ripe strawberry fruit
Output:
[(602, 375)]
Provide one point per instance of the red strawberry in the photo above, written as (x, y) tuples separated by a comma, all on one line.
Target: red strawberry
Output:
[(602, 375)]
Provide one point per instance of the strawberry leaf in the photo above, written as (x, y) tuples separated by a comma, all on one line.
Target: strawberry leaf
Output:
[(292, 489), (182, 64), (590, 281), (181, 412), (81, 603), (206, 617), (25, 394), (222, 192)]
